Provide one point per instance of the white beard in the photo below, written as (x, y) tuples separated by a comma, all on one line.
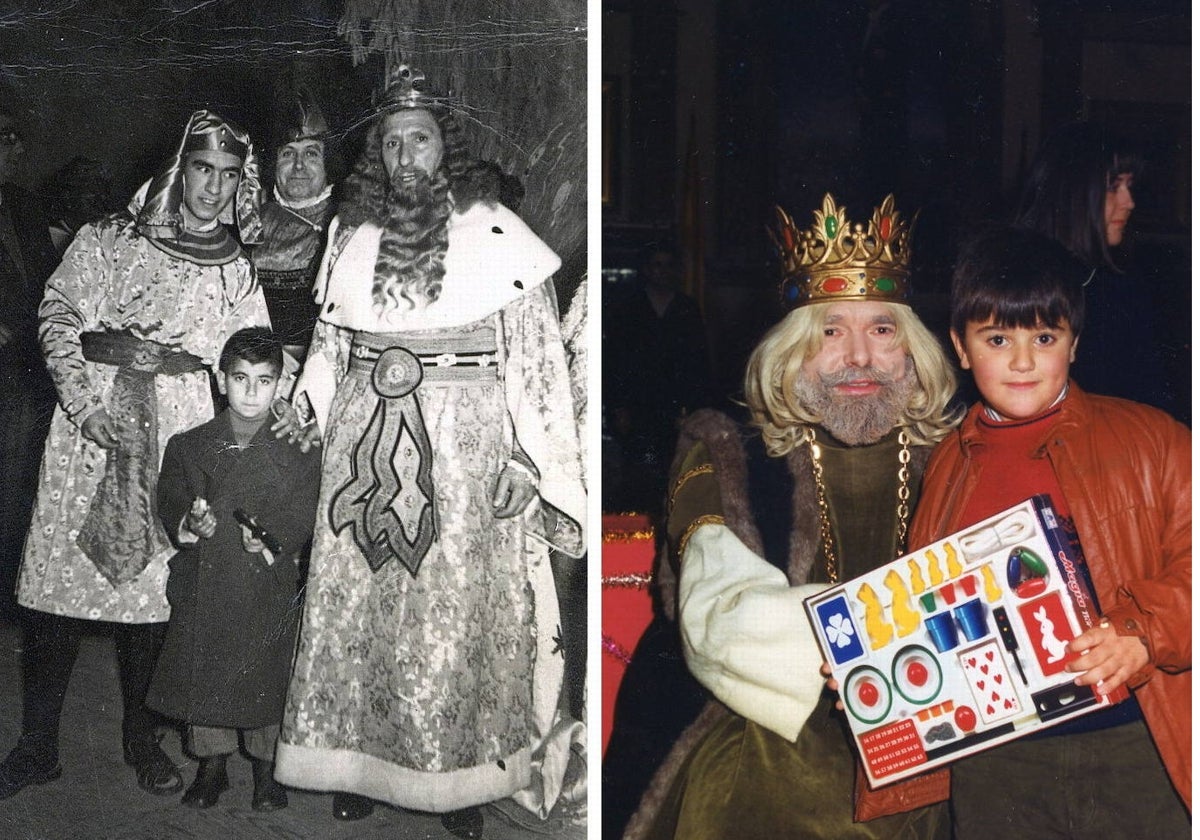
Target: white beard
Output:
[(857, 420)]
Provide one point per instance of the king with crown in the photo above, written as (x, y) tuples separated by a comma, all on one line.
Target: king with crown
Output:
[(812, 484), (427, 674)]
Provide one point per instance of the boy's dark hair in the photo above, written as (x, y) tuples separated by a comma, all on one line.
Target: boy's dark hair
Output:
[(1017, 278), (253, 345)]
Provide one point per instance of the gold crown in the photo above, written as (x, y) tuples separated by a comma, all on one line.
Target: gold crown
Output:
[(838, 260)]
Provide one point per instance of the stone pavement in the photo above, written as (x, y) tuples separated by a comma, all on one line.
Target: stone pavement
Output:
[(97, 797)]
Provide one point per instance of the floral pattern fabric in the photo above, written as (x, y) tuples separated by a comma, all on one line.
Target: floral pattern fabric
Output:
[(394, 664), (435, 691), (113, 280)]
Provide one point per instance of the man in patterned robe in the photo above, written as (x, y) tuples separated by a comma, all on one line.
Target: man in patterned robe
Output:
[(132, 321), (294, 226), (427, 674)]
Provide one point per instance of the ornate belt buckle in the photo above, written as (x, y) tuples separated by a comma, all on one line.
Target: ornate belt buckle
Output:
[(397, 373), (145, 358)]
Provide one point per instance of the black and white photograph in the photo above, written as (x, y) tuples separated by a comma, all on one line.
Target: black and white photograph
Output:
[(293, 338)]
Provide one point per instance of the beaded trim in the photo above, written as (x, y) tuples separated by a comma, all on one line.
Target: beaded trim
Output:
[(703, 469), (707, 519)]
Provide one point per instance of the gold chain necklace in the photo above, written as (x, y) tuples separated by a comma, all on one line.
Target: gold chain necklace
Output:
[(902, 494)]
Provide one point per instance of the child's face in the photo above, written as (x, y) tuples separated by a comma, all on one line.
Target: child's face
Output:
[(250, 387), (1019, 371)]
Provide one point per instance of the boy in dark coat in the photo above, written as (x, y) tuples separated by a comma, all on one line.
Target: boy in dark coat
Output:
[(232, 586)]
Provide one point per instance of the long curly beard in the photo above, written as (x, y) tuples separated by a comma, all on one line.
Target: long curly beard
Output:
[(858, 420), (412, 248)]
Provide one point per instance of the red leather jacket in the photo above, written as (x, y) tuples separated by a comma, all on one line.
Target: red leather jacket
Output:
[(1126, 472)]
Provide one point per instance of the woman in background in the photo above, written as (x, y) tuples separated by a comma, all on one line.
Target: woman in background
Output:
[(1080, 192)]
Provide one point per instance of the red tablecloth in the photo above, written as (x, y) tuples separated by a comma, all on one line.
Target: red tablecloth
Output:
[(626, 563)]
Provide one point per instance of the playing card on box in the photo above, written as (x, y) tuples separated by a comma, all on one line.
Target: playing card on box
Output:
[(961, 645)]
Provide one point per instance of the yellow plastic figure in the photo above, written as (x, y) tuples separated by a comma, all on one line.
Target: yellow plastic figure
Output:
[(953, 567), (904, 616), (935, 570), (914, 574), (878, 631), (990, 590)]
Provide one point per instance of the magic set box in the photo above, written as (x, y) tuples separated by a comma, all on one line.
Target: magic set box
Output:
[(961, 645)]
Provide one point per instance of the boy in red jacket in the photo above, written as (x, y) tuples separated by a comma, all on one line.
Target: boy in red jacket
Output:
[(1121, 472)]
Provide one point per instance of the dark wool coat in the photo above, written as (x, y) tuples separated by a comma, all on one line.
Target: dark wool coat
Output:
[(231, 638)]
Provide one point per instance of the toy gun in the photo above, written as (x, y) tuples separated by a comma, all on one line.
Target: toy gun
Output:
[(258, 532)]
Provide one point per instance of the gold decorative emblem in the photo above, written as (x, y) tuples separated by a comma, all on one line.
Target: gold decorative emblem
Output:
[(397, 373)]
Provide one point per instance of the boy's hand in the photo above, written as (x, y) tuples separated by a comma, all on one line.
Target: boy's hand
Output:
[(1108, 659), (831, 684), (200, 519), (250, 543)]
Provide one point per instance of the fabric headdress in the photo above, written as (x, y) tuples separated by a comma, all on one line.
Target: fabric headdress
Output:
[(160, 215), (839, 260), (306, 121)]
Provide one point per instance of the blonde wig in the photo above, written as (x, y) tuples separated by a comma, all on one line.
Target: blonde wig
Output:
[(777, 363)]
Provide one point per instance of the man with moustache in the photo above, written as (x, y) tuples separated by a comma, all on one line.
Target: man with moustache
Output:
[(132, 321), (294, 226), (427, 675), (845, 395)]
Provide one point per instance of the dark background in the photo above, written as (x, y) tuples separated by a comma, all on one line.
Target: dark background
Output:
[(115, 80), (725, 108)]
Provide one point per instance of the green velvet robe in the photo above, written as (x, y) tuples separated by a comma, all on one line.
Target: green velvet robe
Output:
[(740, 779)]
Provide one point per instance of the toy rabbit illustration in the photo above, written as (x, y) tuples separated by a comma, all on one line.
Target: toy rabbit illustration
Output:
[(1053, 645)]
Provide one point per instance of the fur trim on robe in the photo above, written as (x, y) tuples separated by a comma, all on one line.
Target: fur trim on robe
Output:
[(725, 439)]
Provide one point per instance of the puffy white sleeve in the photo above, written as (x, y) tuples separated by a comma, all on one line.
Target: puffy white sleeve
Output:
[(746, 635)]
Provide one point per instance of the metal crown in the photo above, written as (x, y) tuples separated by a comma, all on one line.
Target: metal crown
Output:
[(839, 260)]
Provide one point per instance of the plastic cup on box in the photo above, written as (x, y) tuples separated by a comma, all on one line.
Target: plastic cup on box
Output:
[(942, 630), (968, 585), (972, 619)]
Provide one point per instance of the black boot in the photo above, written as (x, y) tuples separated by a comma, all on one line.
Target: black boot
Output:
[(33, 761), (351, 806), (211, 782), (269, 795), (156, 773), (467, 823)]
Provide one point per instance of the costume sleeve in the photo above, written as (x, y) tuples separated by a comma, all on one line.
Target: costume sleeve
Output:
[(328, 358), (69, 308), (250, 306), (746, 635), (175, 492), (1158, 607), (537, 391)]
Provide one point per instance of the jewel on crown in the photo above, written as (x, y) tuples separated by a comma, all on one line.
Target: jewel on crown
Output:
[(836, 259), (405, 88)]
